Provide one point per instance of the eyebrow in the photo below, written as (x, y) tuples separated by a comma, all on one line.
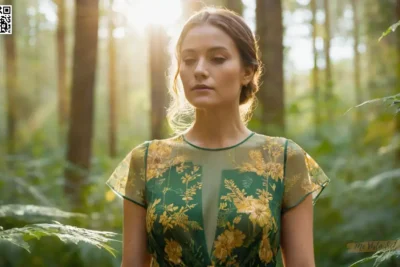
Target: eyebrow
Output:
[(212, 49)]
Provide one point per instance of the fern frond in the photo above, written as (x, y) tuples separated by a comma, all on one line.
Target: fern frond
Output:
[(17, 210), (66, 233)]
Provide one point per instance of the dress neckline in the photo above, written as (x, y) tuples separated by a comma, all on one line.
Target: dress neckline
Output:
[(219, 148)]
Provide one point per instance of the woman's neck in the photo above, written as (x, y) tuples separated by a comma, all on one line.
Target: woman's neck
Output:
[(217, 128)]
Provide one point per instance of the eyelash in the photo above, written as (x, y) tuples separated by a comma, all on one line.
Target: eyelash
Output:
[(218, 60)]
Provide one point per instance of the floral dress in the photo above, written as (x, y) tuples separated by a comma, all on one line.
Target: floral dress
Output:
[(216, 207)]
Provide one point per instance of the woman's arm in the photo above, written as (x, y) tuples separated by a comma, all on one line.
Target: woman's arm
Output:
[(297, 235), (134, 252)]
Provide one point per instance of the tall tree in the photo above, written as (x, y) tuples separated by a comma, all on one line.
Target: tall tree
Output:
[(235, 5), (328, 67), (190, 6), (371, 44), (11, 86), (158, 69), (269, 28), (61, 66), (81, 123), (356, 37), (315, 72), (112, 84), (397, 87)]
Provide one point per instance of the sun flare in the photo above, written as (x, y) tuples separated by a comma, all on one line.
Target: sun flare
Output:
[(141, 13)]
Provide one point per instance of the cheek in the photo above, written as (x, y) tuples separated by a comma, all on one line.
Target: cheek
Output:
[(229, 77), (184, 75)]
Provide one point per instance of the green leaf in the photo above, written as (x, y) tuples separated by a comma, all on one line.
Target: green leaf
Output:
[(66, 233), (363, 260), (392, 28), (16, 210), (380, 257), (393, 98)]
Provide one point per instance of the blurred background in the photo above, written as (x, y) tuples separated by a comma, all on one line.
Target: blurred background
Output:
[(83, 82)]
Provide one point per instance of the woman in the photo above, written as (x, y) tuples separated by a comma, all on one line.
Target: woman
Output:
[(217, 194)]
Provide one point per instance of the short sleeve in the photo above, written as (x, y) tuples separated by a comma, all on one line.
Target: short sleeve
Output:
[(128, 179), (302, 176)]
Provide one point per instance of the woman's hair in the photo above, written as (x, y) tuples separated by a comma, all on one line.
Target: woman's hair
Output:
[(180, 113)]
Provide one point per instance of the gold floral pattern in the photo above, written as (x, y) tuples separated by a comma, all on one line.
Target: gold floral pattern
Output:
[(160, 160), (274, 146), (257, 164), (275, 170), (265, 252), (174, 251), (151, 217), (226, 242), (258, 183)]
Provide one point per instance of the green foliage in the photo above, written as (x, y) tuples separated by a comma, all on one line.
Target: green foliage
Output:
[(66, 233), (381, 256), (392, 28), (30, 212), (394, 101)]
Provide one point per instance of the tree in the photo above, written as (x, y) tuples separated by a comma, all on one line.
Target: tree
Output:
[(328, 67), (189, 7), (158, 68), (269, 28), (356, 37), (235, 5), (81, 122), (315, 72), (397, 89), (61, 66), (112, 86), (11, 87)]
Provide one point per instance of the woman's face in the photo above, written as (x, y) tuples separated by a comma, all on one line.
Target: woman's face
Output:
[(211, 68)]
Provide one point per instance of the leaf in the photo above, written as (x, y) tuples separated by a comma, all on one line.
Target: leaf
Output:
[(17, 210), (32, 190), (374, 182), (392, 28), (363, 260), (66, 233), (393, 98), (380, 256)]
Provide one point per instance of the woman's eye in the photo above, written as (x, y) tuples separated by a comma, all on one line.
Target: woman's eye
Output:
[(218, 60), (189, 61)]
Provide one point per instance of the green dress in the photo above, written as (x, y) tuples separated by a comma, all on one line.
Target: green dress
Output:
[(216, 207)]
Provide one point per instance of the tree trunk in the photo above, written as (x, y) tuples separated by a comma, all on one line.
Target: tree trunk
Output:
[(356, 37), (81, 123), (235, 5), (11, 86), (123, 66), (37, 57), (315, 72), (158, 82), (397, 88), (190, 6), (61, 64), (112, 130), (269, 29), (328, 68)]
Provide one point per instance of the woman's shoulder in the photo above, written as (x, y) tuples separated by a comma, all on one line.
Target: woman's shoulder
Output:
[(155, 144), (270, 140)]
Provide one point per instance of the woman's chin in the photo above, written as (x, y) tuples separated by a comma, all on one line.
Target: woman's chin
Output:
[(203, 103)]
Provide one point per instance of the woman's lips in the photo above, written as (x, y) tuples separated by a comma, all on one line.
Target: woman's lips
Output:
[(202, 89)]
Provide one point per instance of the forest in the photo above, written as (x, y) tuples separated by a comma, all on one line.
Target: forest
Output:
[(83, 82)]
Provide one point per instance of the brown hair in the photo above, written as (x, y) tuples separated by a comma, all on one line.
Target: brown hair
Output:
[(233, 25)]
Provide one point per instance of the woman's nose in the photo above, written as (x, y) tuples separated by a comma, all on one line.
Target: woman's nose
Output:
[(201, 69)]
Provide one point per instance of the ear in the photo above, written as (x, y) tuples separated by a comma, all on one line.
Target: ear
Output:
[(248, 73)]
